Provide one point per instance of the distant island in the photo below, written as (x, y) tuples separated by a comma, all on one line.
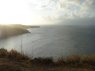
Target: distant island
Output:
[(13, 30)]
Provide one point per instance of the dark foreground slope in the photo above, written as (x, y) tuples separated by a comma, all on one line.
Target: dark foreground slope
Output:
[(14, 61)]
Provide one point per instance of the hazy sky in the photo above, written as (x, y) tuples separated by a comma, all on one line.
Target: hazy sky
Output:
[(38, 12)]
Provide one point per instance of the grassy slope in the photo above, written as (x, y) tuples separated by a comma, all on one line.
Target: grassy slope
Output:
[(14, 61), (12, 30)]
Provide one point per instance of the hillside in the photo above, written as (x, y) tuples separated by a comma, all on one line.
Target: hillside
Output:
[(12, 30), (15, 61)]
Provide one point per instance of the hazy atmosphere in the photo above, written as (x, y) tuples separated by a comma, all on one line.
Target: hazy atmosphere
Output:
[(45, 12), (47, 35)]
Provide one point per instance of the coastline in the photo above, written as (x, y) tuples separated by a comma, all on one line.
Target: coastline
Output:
[(7, 31)]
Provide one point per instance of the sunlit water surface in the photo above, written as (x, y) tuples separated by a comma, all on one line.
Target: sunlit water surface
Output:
[(54, 41)]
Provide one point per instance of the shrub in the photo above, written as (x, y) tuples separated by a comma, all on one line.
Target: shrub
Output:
[(16, 55), (46, 61), (60, 61), (3, 52), (73, 60), (88, 59)]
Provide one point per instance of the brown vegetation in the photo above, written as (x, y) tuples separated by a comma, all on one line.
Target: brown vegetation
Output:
[(12, 54), (15, 61)]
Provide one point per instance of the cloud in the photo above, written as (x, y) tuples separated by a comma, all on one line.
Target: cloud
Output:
[(74, 8), (79, 21), (60, 10), (56, 9)]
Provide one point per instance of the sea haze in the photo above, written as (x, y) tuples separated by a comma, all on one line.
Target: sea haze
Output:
[(54, 41)]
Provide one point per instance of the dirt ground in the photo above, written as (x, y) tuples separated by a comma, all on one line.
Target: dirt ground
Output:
[(13, 65)]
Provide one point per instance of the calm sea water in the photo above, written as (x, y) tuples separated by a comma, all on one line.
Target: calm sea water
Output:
[(54, 41)]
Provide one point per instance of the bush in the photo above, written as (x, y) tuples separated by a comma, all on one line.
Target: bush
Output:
[(60, 61), (12, 54), (46, 61), (3, 52), (16, 55), (73, 59), (88, 59)]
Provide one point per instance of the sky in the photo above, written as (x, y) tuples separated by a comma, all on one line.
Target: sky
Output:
[(45, 12)]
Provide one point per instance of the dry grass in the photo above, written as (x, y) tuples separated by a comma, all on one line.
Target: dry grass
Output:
[(12, 54), (69, 60), (77, 61), (3, 52), (15, 61), (74, 59)]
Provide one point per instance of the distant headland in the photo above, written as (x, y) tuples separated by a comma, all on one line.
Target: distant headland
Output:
[(14, 29)]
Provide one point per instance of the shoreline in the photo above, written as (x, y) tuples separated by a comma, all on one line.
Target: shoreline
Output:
[(7, 31)]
